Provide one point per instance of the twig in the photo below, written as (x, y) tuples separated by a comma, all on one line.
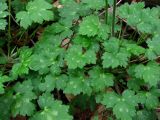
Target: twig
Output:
[(9, 19), (106, 11), (113, 18), (111, 8)]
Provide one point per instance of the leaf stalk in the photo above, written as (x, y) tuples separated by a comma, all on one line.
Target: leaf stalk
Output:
[(106, 13), (113, 19)]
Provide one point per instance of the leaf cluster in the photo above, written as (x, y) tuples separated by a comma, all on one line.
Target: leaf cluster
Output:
[(77, 58)]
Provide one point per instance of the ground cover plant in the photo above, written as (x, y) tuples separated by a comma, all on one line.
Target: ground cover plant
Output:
[(79, 60)]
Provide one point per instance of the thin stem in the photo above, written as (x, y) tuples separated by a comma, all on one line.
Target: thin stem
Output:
[(9, 27), (113, 19), (9, 19), (106, 14)]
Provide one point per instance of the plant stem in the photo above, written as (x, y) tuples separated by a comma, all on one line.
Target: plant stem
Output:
[(9, 19), (113, 19), (106, 15), (9, 27)]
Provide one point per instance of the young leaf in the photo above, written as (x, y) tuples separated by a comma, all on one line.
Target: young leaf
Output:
[(49, 84), (154, 50), (136, 15), (99, 80), (23, 66), (123, 106), (79, 84), (145, 115), (149, 72), (89, 26), (36, 11), (115, 54), (94, 4), (6, 101), (3, 14), (70, 10), (3, 79), (76, 58), (23, 104), (149, 99), (51, 109)]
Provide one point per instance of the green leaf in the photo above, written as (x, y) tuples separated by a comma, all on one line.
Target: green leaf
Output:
[(39, 62), (3, 24), (149, 99), (19, 69), (130, 97), (48, 57), (45, 100), (18, 5), (23, 98), (3, 79), (149, 72), (37, 11), (49, 84), (99, 80), (55, 69), (6, 101), (135, 15), (123, 106), (89, 26), (79, 84), (24, 18), (70, 10), (82, 40), (60, 29), (145, 115), (1, 88), (135, 84), (23, 104), (3, 14), (124, 111), (110, 99), (154, 51), (51, 109), (94, 4), (135, 49), (23, 87), (152, 101), (115, 54), (61, 79), (76, 58), (22, 67), (104, 31)]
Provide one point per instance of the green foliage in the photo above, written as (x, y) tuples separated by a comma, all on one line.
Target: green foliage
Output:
[(51, 109), (21, 67), (93, 4), (76, 58), (100, 79), (18, 5), (150, 73), (115, 55), (154, 51), (6, 101), (69, 64), (145, 20), (123, 106), (36, 11), (70, 10), (3, 79), (23, 99), (145, 115), (3, 15), (91, 26)]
